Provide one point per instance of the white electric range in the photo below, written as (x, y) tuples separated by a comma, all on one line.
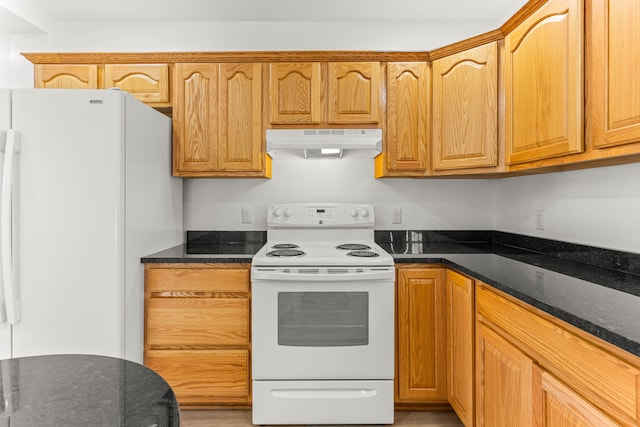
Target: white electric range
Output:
[(322, 318)]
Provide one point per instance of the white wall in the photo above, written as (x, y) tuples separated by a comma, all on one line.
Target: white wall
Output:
[(599, 207), (426, 204), (5, 54)]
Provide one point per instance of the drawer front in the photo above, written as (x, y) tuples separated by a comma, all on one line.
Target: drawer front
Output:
[(197, 321), (602, 378), (204, 377), (196, 279)]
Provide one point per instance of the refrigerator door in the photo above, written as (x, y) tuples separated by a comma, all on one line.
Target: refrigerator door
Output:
[(70, 229), (153, 214), (5, 125)]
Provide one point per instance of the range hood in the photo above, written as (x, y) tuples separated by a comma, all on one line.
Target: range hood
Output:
[(324, 143)]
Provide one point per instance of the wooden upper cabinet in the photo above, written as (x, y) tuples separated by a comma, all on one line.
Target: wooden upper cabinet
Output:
[(295, 92), (353, 92), (421, 352), (613, 54), (147, 82), (195, 118), (543, 75), (217, 113), (465, 109), (66, 76), (240, 111), (407, 121)]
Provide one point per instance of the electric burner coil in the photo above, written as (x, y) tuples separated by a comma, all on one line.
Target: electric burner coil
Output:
[(286, 253)]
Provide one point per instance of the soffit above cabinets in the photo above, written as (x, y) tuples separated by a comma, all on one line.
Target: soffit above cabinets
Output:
[(489, 11)]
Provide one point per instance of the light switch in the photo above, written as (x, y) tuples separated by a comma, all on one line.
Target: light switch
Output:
[(247, 216)]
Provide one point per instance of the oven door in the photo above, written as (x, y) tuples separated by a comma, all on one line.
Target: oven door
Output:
[(323, 323)]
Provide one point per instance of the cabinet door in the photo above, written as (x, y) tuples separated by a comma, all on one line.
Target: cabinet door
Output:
[(421, 365), (240, 131), (294, 92), (613, 78), (465, 109), (556, 405), (460, 344), (543, 84), (146, 82), (353, 92), (407, 129), (66, 76), (504, 381), (195, 121)]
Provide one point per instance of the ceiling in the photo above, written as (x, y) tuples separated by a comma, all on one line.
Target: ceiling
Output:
[(490, 11)]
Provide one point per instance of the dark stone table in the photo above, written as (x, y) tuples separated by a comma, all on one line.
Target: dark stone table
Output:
[(83, 390)]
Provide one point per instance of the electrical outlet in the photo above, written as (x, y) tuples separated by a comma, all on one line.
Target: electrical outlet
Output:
[(539, 220), (247, 216), (397, 216), (540, 280)]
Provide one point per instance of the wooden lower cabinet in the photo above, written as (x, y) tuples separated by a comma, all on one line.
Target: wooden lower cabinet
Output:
[(460, 344), (203, 377), (197, 331), (421, 347), (503, 382), (535, 370), (556, 405)]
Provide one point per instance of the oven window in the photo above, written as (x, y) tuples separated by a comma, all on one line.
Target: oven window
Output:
[(323, 319)]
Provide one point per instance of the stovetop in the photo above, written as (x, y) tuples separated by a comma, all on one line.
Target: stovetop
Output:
[(329, 253)]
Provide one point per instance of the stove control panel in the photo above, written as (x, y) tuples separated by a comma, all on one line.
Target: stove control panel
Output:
[(321, 215)]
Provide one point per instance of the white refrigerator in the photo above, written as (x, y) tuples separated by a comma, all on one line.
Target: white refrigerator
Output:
[(86, 192)]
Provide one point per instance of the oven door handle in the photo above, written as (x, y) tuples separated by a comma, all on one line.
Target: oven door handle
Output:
[(312, 276)]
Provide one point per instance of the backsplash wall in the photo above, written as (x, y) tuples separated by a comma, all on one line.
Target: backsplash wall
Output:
[(426, 204), (596, 207)]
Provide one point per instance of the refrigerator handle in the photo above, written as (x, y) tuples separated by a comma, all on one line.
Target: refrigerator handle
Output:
[(6, 228)]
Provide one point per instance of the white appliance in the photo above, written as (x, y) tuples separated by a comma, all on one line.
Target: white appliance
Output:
[(86, 192), (324, 143), (322, 318)]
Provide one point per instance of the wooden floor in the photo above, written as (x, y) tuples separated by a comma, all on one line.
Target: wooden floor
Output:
[(242, 418)]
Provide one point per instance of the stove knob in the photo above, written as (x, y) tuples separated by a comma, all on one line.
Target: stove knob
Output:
[(287, 212), (364, 212), (354, 213), (277, 212)]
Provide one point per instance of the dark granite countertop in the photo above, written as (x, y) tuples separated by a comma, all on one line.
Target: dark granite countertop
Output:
[(594, 289), (212, 247), (83, 390), (217, 253)]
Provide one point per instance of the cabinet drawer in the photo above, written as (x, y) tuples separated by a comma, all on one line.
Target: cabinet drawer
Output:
[(197, 321), (204, 377), (605, 380), (194, 279)]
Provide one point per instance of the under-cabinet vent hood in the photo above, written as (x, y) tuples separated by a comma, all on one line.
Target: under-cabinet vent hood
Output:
[(324, 143)]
